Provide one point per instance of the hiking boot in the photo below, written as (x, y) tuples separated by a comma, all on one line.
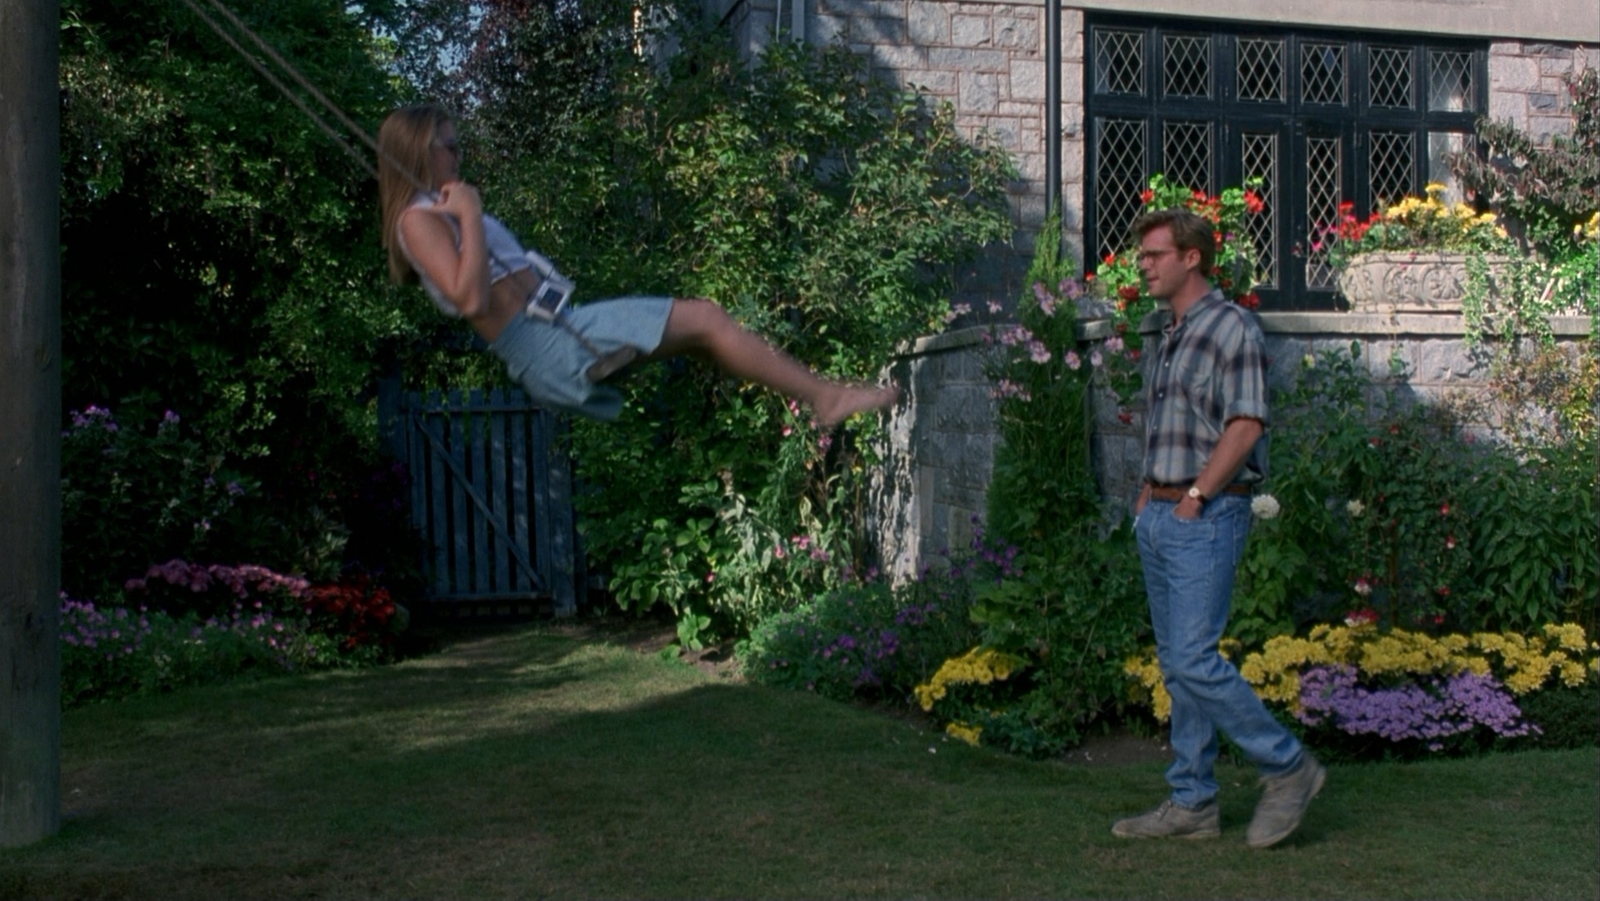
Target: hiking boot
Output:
[(1284, 800), (1171, 821)]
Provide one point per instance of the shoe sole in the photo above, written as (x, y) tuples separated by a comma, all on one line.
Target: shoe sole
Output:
[(1202, 834), (1186, 835), (1322, 777)]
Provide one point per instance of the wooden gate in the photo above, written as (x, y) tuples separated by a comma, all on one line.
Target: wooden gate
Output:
[(491, 496)]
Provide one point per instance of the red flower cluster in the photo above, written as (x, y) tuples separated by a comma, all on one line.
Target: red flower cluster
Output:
[(354, 608)]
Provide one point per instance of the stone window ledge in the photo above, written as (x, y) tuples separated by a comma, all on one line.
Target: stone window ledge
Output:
[(1419, 325)]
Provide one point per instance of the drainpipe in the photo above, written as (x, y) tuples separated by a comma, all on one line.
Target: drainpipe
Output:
[(1052, 106)]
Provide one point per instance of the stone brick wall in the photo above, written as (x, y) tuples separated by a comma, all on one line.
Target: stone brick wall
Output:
[(1525, 84), (938, 454)]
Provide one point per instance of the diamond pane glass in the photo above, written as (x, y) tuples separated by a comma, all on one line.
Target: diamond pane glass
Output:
[(1119, 179), (1118, 62), (1450, 87), (1440, 145), (1323, 73), (1324, 165), (1186, 154), (1260, 152), (1187, 66), (1261, 70), (1392, 160), (1389, 77)]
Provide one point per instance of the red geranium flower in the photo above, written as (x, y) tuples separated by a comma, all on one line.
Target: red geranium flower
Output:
[(1253, 204)]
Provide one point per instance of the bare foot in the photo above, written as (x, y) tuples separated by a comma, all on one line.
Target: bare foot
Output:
[(845, 401)]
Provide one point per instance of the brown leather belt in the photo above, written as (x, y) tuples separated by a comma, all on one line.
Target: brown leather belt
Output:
[(1177, 493)]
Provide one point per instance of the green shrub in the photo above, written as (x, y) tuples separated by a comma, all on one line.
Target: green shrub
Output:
[(823, 208), (116, 652), (132, 494), (1400, 508), (865, 640)]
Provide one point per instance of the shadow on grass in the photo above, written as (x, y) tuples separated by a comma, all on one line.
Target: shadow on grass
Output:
[(532, 764)]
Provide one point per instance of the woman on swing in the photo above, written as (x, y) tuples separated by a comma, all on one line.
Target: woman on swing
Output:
[(474, 268)]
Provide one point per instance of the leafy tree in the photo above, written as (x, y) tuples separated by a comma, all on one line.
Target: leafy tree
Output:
[(218, 254), (824, 208)]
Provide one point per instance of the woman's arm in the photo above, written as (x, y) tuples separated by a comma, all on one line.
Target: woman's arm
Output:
[(463, 275)]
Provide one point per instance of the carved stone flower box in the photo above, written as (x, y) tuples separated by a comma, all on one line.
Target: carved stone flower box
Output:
[(1407, 282)]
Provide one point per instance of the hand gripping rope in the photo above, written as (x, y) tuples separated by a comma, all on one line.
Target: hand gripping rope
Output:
[(548, 302)]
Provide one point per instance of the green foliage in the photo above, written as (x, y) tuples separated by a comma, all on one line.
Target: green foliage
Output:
[(1074, 610), (1398, 507), (1052, 592), (864, 640), (109, 653), (824, 209), (132, 494), (1043, 481), (1567, 717), (218, 260)]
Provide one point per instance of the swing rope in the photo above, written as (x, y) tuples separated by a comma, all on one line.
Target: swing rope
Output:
[(604, 365)]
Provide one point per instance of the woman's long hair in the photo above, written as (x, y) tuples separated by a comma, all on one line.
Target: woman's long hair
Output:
[(405, 142)]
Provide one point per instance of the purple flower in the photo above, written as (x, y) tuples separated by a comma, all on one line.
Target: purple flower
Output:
[(1428, 709)]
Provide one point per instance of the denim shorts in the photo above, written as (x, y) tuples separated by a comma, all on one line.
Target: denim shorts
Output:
[(549, 361)]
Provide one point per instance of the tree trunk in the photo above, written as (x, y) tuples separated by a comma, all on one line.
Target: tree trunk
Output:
[(30, 422)]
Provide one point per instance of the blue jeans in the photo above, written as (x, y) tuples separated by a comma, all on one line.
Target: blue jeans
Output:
[(1188, 576)]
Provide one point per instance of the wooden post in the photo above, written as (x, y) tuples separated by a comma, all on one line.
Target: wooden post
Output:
[(30, 422)]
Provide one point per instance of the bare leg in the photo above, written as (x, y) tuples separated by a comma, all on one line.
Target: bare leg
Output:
[(698, 326)]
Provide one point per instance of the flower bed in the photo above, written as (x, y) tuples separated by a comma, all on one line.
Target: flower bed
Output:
[(1408, 689)]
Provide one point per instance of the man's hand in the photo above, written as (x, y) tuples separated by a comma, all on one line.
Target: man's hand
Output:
[(1188, 508)]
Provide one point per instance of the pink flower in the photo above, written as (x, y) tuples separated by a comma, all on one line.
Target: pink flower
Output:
[(1072, 361), (1366, 616)]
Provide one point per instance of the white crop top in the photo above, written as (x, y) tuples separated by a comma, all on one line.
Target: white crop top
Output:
[(506, 254)]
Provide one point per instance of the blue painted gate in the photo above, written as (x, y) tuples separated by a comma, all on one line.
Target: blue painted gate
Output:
[(491, 496)]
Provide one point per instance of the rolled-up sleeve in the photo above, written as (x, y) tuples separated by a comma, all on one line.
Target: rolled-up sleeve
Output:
[(1243, 372)]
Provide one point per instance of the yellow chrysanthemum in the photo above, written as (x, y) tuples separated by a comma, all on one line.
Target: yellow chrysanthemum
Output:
[(978, 666), (966, 733)]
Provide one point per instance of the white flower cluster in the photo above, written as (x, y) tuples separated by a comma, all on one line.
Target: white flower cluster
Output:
[(1264, 506)]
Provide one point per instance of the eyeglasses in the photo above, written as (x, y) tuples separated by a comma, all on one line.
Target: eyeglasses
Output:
[(1146, 256)]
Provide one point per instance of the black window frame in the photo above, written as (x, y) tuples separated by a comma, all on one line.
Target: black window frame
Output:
[(1288, 126)]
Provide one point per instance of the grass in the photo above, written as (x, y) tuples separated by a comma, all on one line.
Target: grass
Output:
[(545, 763)]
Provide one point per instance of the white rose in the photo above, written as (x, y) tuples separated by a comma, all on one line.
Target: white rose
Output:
[(1265, 506), (1354, 508)]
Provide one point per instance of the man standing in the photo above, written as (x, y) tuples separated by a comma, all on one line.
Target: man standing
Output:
[(1205, 449)]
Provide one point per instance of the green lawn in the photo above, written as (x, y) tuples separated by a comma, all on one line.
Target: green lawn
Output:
[(540, 762)]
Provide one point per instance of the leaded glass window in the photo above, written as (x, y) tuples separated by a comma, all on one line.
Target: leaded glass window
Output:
[(1260, 75), (1186, 69), (1119, 62), (1389, 77), (1320, 118)]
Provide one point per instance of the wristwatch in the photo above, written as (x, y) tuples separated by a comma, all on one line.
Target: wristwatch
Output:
[(1194, 492)]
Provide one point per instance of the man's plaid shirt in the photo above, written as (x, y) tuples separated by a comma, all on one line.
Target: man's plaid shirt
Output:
[(1209, 369)]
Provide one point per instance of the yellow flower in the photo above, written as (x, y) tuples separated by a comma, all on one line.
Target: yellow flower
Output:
[(1434, 188), (1590, 230), (966, 733), (978, 666)]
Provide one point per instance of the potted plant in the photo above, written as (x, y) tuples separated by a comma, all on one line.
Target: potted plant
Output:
[(1412, 256)]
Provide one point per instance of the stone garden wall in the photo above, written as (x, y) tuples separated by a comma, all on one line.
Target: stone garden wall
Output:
[(940, 442)]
